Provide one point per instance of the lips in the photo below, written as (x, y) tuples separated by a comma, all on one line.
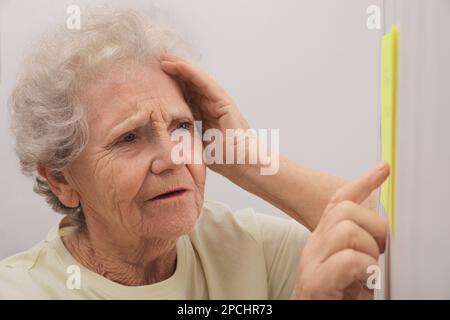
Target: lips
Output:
[(170, 194)]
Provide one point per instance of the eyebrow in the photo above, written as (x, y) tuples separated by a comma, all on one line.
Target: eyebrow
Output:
[(138, 119), (135, 120)]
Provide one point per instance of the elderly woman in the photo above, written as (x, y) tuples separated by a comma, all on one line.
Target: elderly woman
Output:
[(94, 113)]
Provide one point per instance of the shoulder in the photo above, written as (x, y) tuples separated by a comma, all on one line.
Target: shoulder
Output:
[(18, 272), (24, 260), (28, 260)]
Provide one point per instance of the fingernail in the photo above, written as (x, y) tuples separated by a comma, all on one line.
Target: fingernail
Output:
[(381, 166)]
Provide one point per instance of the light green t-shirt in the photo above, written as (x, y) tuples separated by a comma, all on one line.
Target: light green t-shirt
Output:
[(228, 255)]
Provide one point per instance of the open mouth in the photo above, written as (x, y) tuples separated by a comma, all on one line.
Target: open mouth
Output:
[(170, 194)]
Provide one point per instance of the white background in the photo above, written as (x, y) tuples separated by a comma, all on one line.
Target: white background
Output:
[(309, 68)]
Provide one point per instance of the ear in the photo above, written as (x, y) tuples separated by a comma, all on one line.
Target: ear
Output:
[(60, 187)]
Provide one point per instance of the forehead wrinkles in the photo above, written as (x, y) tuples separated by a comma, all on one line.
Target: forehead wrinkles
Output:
[(115, 103), (148, 83), (160, 114), (153, 111), (137, 115)]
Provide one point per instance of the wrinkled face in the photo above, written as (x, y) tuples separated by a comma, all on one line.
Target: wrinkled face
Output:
[(124, 174)]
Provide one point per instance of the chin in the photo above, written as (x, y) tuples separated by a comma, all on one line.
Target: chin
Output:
[(170, 221)]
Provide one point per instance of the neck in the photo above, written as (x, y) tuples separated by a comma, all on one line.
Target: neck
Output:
[(136, 263)]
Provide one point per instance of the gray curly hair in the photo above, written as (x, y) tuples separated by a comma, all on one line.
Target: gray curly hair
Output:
[(48, 119)]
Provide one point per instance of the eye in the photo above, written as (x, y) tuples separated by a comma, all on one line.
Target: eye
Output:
[(129, 137), (184, 125)]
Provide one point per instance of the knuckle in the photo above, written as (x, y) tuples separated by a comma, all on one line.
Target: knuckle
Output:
[(344, 211), (348, 229), (345, 206), (381, 227), (340, 211), (337, 196), (350, 258), (354, 261)]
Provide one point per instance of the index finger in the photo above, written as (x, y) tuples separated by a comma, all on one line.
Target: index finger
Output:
[(359, 189)]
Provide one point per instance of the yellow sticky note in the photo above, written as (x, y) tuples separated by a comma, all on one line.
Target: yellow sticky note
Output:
[(389, 65)]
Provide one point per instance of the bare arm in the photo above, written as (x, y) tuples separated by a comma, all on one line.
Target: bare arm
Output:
[(303, 193)]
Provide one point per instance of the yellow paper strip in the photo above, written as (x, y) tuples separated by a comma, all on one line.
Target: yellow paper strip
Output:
[(389, 65)]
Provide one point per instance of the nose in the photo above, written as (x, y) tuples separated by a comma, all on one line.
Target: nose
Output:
[(163, 161)]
